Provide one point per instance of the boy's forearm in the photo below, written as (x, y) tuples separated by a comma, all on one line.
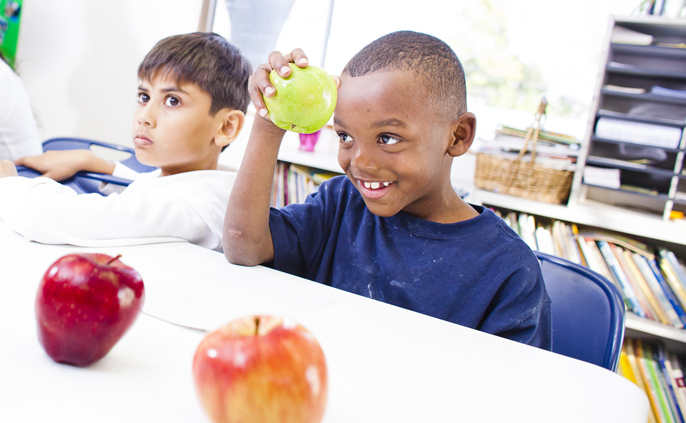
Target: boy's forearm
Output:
[(90, 162), (247, 238)]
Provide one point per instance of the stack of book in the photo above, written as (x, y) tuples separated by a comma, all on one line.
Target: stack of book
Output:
[(553, 150), (660, 375), (293, 183), (652, 281)]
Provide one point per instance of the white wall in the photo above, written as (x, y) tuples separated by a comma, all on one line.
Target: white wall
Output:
[(79, 60)]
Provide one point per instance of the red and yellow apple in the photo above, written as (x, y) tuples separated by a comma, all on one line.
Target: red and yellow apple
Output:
[(84, 305), (304, 100), (261, 369)]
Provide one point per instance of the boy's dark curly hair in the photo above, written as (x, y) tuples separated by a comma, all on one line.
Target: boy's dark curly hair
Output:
[(431, 59)]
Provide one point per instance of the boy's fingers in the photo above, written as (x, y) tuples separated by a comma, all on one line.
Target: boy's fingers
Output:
[(255, 92), (298, 57), (279, 63)]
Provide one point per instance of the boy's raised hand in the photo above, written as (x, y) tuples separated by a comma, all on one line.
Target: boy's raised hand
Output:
[(259, 84)]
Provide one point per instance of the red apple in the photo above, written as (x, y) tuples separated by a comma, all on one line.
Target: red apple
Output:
[(84, 305), (261, 369)]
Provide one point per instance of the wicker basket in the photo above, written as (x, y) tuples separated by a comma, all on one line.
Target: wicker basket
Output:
[(520, 178)]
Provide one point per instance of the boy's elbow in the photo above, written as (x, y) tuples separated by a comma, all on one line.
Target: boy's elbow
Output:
[(237, 251)]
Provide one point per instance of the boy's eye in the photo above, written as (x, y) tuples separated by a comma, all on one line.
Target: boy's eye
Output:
[(388, 140), (171, 101), (143, 98), (345, 137)]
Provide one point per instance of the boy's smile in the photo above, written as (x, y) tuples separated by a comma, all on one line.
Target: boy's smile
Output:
[(173, 128), (396, 149)]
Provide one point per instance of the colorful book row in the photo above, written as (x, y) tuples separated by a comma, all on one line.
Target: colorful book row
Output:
[(660, 374), (652, 281), (293, 183)]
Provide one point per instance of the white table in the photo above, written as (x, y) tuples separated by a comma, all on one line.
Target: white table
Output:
[(386, 364)]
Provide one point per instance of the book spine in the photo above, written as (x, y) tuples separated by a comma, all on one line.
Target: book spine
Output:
[(669, 303), (670, 390), (641, 295), (650, 382), (677, 374), (572, 245), (612, 263), (672, 280), (674, 264), (652, 298), (673, 298), (641, 381)]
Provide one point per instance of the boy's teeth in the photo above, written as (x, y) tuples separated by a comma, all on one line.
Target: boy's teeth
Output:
[(375, 185)]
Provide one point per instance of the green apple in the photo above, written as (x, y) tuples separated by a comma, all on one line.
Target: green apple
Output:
[(304, 100)]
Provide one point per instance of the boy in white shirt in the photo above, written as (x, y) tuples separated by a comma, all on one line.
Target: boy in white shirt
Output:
[(192, 100)]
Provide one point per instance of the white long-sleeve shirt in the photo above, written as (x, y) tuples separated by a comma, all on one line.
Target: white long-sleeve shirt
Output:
[(188, 206), (18, 128)]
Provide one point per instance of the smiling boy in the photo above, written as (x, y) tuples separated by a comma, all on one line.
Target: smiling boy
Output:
[(393, 228), (192, 100)]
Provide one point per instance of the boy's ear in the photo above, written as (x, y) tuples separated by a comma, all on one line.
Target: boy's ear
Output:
[(232, 123), (464, 131)]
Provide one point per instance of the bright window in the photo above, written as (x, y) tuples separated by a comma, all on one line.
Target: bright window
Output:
[(513, 51)]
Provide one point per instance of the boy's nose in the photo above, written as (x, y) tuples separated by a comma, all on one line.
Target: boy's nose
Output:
[(362, 156), (146, 115)]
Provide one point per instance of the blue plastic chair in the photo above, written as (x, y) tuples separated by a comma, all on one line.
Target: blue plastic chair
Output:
[(588, 312), (88, 182)]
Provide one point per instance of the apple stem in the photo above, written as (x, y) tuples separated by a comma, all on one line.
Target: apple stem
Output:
[(114, 259), (257, 325)]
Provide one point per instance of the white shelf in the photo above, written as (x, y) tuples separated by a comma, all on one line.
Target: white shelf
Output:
[(638, 327), (324, 156), (592, 214)]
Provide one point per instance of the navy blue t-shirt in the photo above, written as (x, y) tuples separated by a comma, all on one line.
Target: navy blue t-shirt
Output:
[(477, 273)]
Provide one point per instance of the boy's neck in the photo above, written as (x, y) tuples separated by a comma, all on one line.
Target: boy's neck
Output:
[(175, 170)]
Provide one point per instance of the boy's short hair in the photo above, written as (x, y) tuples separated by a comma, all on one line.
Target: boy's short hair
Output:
[(207, 60), (431, 59)]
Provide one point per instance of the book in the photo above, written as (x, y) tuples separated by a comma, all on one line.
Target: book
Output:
[(577, 245), (624, 242), (620, 277), (677, 374), (628, 347), (544, 240), (670, 304), (675, 265), (595, 259), (527, 226), (624, 367), (572, 248), (641, 294), (555, 137), (664, 366), (673, 298), (651, 297), (672, 280), (649, 381)]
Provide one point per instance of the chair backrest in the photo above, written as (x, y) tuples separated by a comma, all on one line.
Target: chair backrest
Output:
[(588, 312), (88, 182)]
